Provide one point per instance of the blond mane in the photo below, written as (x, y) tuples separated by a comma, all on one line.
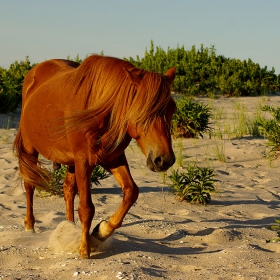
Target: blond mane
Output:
[(107, 91)]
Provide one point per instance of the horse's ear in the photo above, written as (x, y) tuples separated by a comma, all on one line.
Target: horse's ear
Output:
[(135, 79), (170, 74)]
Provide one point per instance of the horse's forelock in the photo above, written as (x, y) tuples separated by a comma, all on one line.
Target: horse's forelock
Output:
[(152, 98)]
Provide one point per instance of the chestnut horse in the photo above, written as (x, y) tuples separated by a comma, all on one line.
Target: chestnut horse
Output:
[(84, 115)]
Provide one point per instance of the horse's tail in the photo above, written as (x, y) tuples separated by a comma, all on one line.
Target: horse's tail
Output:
[(29, 166)]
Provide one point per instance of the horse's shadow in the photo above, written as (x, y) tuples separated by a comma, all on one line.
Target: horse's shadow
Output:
[(141, 245), (272, 204), (115, 189)]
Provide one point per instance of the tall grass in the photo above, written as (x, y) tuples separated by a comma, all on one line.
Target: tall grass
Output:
[(4, 139), (219, 151), (241, 123)]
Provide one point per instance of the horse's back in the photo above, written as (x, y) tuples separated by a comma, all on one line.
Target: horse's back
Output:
[(44, 72)]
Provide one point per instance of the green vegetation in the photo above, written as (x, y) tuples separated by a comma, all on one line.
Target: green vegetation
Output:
[(178, 147), (241, 123), (191, 118), (76, 58), (277, 229), (202, 71), (57, 177), (98, 174), (270, 128), (11, 81), (219, 151), (194, 185)]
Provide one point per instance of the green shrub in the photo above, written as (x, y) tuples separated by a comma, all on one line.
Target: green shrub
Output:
[(11, 81), (76, 58), (270, 128), (57, 177), (277, 229), (194, 185), (202, 71), (191, 118)]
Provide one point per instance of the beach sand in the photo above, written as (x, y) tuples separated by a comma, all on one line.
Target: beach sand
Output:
[(161, 237)]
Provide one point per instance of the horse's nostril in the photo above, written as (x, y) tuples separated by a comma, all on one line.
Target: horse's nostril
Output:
[(158, 160)]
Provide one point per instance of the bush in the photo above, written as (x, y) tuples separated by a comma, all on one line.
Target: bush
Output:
[(277, 229), (11, 82), (194, 185), (191, 118), (57, 178), (202, 71), (270, 128)]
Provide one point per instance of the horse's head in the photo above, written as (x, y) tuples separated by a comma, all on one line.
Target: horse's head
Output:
[(155, 138), (155, 142)]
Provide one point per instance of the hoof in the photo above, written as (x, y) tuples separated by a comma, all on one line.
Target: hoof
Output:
[(97, 234), (100, 238), (100, 232), (84, 256), (30, 229), (84, 253)]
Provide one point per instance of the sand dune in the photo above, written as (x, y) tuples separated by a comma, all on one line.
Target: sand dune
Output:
[(161, 238)]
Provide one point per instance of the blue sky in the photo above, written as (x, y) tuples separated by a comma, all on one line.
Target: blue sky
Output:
[(57, 28)]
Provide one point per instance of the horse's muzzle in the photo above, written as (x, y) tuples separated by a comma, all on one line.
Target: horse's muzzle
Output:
[(160, 163)]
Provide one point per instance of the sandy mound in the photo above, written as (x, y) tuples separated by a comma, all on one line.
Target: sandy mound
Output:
[(66, 238)]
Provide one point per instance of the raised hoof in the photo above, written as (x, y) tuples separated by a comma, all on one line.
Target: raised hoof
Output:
[(100, 237), (96, 233)]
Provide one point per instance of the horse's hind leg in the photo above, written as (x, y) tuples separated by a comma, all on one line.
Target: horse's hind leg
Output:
[(29, 219), (32, 174), (130, 194), (69, 192)]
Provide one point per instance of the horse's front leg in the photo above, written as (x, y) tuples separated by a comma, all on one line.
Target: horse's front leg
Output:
[(69, 192), (130, 194), (86, 207)]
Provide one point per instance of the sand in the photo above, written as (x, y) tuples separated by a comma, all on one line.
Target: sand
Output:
[(161, 238)]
